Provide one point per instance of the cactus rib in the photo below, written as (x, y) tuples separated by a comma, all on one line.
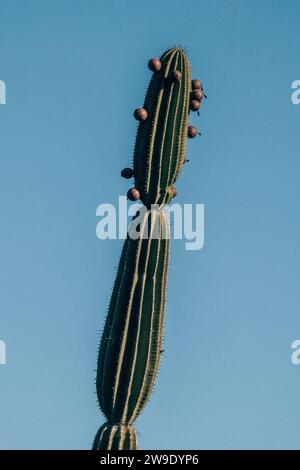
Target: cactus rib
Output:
[(115, 437)]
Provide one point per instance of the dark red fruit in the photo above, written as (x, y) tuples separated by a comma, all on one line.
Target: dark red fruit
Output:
[(140, 114), (194, 105), (196, 85), (176, 76), (173, 191), (133, 194), (127, 173), (197, 95), (154, 64), (192, 132)]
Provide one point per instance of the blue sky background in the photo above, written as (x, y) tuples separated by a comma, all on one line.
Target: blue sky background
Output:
[(74, 71)]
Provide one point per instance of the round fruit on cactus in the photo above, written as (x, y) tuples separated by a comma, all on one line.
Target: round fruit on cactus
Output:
[(140, 114)]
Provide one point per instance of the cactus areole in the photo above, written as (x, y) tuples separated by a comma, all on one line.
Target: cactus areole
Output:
[(131, 343)]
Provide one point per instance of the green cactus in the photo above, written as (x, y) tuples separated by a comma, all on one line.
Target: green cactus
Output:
[(115, 437), (130, 348), (161, 139), (131, 341)]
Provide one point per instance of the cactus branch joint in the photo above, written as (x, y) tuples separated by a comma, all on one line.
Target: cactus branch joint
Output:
[(131, 343)]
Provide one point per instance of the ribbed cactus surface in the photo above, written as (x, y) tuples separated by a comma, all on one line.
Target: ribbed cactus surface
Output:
[(131, 341), (115, 437), (161, 139), (130, 348)]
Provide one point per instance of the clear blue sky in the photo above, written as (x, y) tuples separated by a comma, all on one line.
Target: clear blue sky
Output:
[(74, 71)]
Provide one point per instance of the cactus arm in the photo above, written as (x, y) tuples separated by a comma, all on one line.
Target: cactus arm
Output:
[(160, 143), (145, 140), (157, 163)]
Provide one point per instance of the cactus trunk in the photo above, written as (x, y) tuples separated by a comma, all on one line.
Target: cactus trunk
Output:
[(130, 348)]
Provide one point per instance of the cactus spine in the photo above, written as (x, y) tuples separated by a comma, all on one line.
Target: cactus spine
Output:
[(130, 347)]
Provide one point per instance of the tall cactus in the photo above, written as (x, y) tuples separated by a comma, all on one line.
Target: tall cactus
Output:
[(130, 347)]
